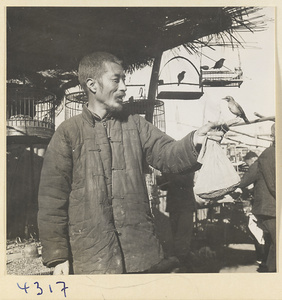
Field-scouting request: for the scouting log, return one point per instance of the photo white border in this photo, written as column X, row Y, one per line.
column 149, row 286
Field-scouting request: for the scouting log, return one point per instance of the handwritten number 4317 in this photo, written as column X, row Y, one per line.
column 40, row 289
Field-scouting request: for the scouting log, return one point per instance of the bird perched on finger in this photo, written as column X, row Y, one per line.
column 180, row 76
column 236, row 108
column 219, row 64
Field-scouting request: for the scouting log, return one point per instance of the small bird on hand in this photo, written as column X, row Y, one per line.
column 219, row 64
column 236, row 109
column 180, row 76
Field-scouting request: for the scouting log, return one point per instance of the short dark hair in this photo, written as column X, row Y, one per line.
column 92, row 66
column 250, row 155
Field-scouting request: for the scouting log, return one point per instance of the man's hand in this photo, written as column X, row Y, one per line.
column 213, row 131
column 238, row 190
column 226, row 199
column 62, row 269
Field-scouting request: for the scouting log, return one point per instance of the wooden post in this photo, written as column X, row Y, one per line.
column 153, row 86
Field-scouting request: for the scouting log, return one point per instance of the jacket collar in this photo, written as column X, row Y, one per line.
column 92, row 118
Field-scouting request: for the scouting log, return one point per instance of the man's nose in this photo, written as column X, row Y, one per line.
column 122, row 85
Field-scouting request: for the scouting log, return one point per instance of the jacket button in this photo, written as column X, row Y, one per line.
column 119, row 233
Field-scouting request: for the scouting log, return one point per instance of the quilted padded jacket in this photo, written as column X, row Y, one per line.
column 93, row 202
column 265, row 186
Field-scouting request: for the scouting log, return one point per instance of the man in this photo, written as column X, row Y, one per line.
column 94, row 212
column 181, row 205
column 264, row 207
column 249, row 179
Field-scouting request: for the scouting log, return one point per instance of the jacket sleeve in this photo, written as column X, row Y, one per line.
column 54, row 190
column 163, row 152
column 266, row 165
column 250, row 176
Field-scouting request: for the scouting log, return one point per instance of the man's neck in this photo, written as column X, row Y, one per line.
column 96, row 110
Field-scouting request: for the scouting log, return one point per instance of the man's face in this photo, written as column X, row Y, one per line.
column 250, row 161
column 111, row 88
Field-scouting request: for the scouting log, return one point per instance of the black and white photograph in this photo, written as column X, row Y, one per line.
column 140, row 141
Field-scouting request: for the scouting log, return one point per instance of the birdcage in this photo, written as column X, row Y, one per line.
column 74, row 104
column 221, row 75
column 218, row 78
column 142, row 106
column 184, row 89
column 30, row 113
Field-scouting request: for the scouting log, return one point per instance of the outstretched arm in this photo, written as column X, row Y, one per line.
column 170, row 156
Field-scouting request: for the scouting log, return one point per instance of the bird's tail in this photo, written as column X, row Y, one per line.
column 246, row 119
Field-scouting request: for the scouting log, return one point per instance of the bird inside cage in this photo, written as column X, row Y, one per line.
column 181, row 76
column 219, row 64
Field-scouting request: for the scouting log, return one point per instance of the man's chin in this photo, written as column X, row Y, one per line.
column 117, row 108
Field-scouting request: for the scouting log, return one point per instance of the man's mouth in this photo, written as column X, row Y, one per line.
column 120, row 98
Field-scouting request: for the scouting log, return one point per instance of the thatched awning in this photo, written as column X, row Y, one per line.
column 56, row 38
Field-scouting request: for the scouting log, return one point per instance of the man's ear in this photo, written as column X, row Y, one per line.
column 92, row 85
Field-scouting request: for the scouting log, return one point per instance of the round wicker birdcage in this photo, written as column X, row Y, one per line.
column 30, row 112
column 74, row 103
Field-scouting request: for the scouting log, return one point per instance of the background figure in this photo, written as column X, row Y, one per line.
column 264, row 207
column 248, row 179
column 181, row 205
